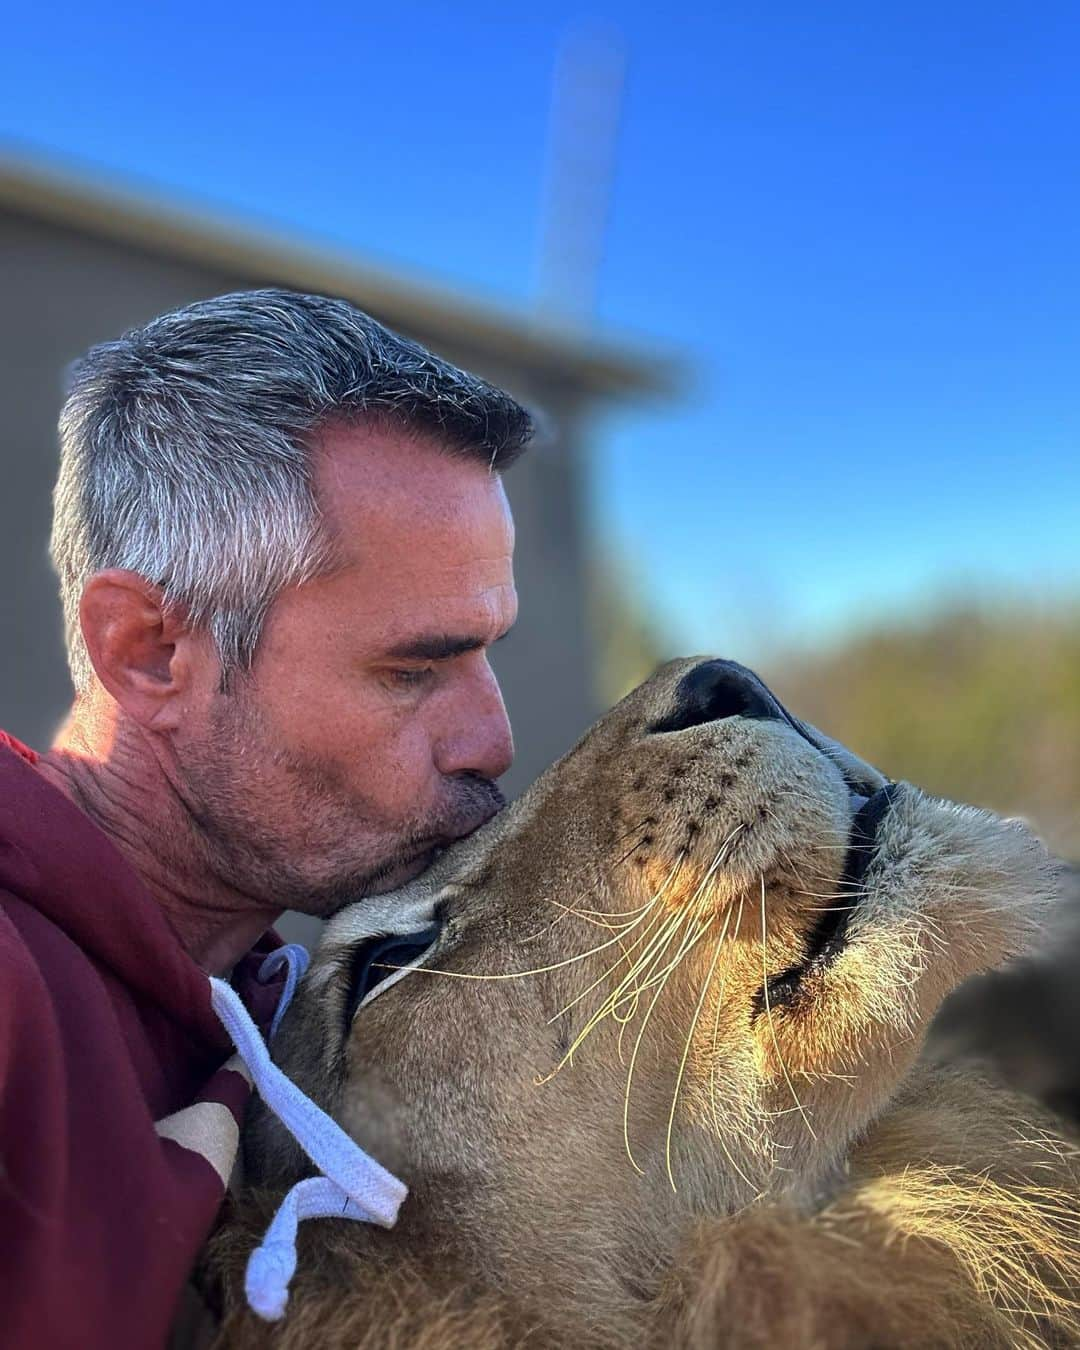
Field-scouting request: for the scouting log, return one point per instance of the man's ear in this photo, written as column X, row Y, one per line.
column 142, row 650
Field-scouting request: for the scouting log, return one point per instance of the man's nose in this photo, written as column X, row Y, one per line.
column 481, row 741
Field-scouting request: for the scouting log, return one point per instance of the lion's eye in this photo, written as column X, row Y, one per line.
column 376, row 959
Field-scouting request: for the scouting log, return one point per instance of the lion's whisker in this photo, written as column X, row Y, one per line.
column 517, row 974
column 713, row 1065
column 617, row 998
column 663, row 937
column 622, row 995
column 769, row 1019
column 738, row 918
column 598, row 916
column 628, row 832
column 721, row 855
column 633, row 1063
column 829, row 895
column 645, row 908
column 656, row 976
column 650, row 963
column 624, row 957
column 543, row 932
column 686, row 1052
column 630, row 852
column 829, row 909
column 845, row 846
column 660, row 918
column 648, row 959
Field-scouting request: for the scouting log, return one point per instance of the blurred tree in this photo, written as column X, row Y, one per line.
column 981, row 705
column 626, row 637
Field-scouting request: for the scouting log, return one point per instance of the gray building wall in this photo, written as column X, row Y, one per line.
column 63, row 289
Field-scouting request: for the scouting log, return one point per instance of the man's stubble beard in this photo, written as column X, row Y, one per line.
column 287, row 830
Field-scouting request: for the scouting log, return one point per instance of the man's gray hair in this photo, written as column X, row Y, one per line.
column 185, row 450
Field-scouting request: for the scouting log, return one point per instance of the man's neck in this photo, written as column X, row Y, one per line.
column 113, row 771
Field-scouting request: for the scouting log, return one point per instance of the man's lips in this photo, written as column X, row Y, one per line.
column 829, row 936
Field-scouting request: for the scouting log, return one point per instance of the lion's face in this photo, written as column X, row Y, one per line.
column 687, row 968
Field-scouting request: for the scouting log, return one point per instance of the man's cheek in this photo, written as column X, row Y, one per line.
column 337, row 723
column 395, row 768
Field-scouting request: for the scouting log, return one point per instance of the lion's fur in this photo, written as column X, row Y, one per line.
column 796, row 1175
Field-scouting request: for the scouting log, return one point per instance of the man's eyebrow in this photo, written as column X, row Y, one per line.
column 438, row 646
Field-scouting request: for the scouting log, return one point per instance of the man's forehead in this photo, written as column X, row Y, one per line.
column 424, row 542
column 423, row 625
column 374, row 481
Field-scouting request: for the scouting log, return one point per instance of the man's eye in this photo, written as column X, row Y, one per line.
column 410, row 677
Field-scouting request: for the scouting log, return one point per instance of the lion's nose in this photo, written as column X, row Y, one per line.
column 714, row 690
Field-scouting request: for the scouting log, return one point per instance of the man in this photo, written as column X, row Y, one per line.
column 284, row 551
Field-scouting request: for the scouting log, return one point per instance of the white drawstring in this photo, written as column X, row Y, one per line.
column 272, row 1264
column 296, row 960
column 353, row 1184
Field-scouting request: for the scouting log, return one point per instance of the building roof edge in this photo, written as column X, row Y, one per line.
column 594, row 368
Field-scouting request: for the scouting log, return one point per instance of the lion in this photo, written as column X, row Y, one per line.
column 649, row 1050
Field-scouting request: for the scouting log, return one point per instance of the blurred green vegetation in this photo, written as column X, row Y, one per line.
column 975, row 702
column 628, row 644
column 978, row 704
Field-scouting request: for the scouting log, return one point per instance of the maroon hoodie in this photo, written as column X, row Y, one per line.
column 118, row 1113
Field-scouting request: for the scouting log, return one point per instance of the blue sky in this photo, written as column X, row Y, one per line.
column 860, row 224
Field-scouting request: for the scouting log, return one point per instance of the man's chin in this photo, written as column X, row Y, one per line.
column 403, row 870
column 407, row 866
column 399, row 874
